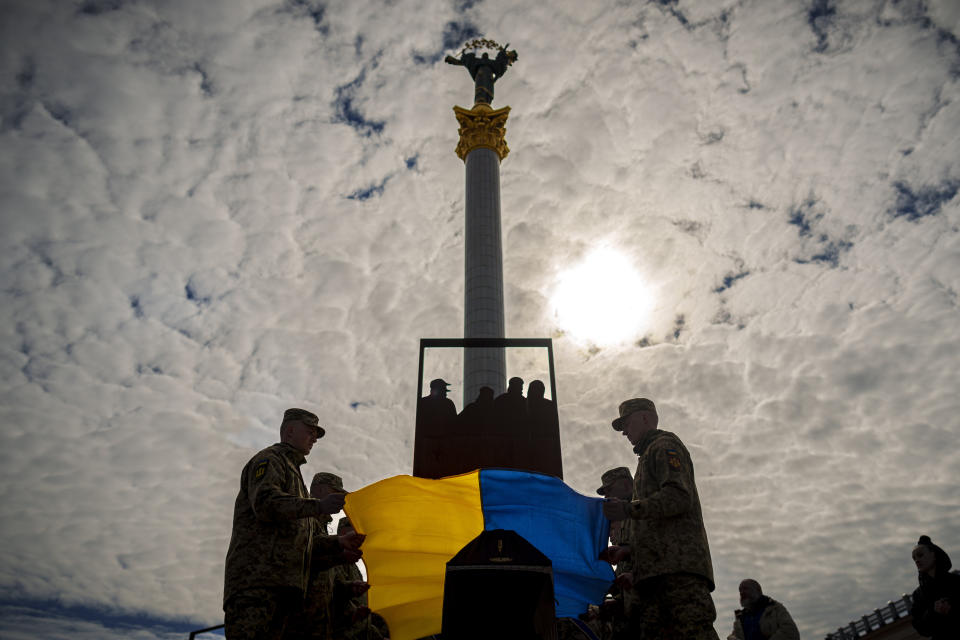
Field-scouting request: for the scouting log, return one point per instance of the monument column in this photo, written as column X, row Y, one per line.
column 482, row 146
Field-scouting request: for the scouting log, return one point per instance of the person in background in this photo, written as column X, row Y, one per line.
column 936, row 602
column 762, row 618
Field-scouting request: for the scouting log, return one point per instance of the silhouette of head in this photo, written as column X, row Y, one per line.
column 438, row 387
column 515, row 385
column 485, row 396
column 750, row 592
column 535, row 390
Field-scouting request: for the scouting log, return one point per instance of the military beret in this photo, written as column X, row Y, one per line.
column 628, row 407
column 329, row 479
column 611, row 476
column 306, row 417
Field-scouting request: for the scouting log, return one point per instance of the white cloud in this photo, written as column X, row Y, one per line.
column 182, row 259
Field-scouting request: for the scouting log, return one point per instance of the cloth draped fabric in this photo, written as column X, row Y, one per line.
column 414, row 526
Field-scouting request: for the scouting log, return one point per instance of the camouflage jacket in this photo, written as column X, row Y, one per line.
column 620, row 535
column 345, row 604
column 666, row 533
column 273, row 536
column 315, row 619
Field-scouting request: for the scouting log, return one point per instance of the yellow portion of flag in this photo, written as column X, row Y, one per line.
column 414, row 526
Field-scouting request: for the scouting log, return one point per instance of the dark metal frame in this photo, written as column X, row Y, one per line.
column 467, row 343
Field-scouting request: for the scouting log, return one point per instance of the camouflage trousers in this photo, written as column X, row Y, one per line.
column 676, row 606
column 570, row 629
column 260, row 614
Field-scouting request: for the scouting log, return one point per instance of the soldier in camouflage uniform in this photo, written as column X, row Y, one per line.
column 671, row 574
column 314, row 622
column 352, row 618
column 273, row 539
column 618, row 483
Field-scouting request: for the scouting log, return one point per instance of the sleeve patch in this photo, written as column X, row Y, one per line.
column 260, row 468
column 673, row 458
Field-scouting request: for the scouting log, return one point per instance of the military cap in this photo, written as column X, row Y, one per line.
column 439, row 383
column 611, row 476
column 628, row 407
column 304, row 416
column 329, row 479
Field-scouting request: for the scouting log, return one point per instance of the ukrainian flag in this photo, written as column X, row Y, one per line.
column 414, row 526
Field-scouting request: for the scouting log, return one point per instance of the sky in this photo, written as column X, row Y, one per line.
column 212, row 211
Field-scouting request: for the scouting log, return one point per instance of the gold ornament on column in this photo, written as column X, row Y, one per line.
column 482, row 127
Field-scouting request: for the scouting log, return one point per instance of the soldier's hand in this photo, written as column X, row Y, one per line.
column 350, row 556
column 611, row 608
column 624, row 580
column 352, row 540
column 616, row 509
column 332, row 503
column 615, row 554
column 358, row 587
column 592, row 613
column 360, row 613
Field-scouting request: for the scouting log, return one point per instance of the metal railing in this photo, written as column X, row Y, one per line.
column 880, row 618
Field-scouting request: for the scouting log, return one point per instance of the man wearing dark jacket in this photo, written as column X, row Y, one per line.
column 762, row 618
column 672, row 574
column 274, row 535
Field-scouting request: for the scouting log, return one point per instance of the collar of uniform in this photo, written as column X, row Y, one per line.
column 645, row 441
column 292, row 454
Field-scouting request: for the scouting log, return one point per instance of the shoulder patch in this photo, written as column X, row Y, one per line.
column 260, row 468
column 673, row 458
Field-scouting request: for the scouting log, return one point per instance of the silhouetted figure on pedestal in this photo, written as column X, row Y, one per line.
column 543, row 430
column 510, row 426
column 478, row 415
column 473, row 425
column 436, row 415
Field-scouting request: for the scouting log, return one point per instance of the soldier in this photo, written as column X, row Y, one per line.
column 314, row 621
column 618, row 483
column 352, row 619
column 273, row 538
column 671, row 572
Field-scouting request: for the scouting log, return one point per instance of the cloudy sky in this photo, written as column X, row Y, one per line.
column 215, row 210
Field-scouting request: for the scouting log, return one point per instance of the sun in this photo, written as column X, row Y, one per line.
column 603, row 300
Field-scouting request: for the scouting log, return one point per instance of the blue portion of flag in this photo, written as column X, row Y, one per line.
column 567, row 527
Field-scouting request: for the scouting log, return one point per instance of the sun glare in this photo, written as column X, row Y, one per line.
column 603, row 300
